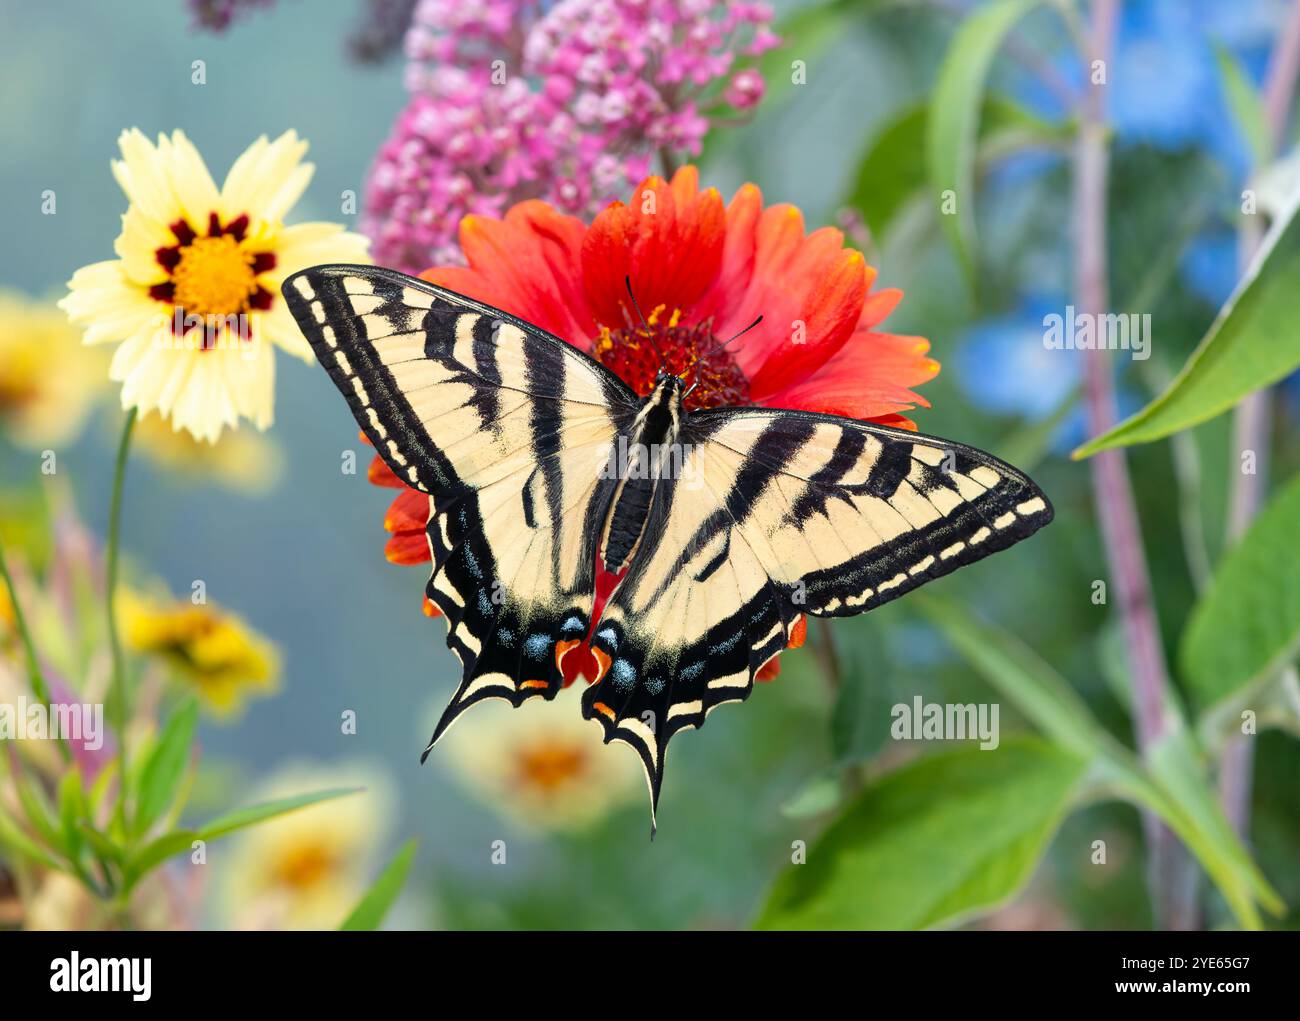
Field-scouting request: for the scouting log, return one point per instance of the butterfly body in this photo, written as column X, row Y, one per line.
column 723, row 527
column 638, row 460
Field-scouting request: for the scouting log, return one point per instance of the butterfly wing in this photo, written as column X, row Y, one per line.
column 507, row 428
column 773, row 515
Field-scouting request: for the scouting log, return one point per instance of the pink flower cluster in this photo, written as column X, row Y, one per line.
column 567, row 101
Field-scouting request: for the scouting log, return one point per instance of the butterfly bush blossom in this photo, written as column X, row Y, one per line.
column 567, row 102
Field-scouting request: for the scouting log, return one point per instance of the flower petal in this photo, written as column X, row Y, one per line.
column 869, row 378
column 379, row 474
column 110, row 306
column 407, row 548
column 669, row 241
column 526, row 264
column 409, row 512
column 267, row 179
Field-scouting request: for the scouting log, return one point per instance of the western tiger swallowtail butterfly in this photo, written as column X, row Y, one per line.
column 725, row 525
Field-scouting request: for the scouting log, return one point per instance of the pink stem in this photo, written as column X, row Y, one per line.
column 1169, row 872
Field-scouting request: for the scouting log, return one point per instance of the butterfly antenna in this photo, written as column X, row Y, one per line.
column 719, row 347
column 648, row 332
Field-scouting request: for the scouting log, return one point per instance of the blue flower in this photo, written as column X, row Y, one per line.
column 1003, row 365
column 1210, row 266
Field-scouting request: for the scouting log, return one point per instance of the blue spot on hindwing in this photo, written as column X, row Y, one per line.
column 537, row 646
column 623, row 674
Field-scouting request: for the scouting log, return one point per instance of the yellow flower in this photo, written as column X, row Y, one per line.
column 542, row 765
column 48, row 380
column 194, row 295
column 246, row 461
column 215, row 651
column 307, row 869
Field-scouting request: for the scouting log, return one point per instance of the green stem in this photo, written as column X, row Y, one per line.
column 119, row 693
column 39, row 686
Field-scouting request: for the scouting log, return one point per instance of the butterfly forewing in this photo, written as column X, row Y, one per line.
column 509, row 431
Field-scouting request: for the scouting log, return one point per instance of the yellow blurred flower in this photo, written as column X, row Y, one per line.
column 247, row 461
column 213, row 650
column 194, row 295
column 48, row 381
column 307, row 869
column 542, row 765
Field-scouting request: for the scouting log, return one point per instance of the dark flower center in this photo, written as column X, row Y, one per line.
column 692, row 352
column 212, row 280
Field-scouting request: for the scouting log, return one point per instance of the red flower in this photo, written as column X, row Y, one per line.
column 701, row 271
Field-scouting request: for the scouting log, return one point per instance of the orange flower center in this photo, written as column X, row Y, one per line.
column 304, row 867
column 633, row 352
column 214, row 277
column 548, row 767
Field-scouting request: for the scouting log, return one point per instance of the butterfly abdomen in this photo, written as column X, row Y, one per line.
column 627, row 522
column 639, row 460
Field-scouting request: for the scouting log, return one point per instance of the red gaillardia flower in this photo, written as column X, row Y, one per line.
column 702, row 271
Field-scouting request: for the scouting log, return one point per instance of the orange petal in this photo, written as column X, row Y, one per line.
column 409, row 512
column 380, row 474
column 407, row 548
column 527, row 264
column 668, row 239
column 870, row 378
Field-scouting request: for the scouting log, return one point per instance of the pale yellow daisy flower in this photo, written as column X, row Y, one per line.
column 193, row 299
column 49, row 381
column 307, row 869
column 542, row 766
column 210, row 649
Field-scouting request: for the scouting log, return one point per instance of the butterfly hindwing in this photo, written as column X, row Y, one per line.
column 507, row 429
column 773, row 515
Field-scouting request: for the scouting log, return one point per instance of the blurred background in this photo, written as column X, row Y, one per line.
column 293, row 546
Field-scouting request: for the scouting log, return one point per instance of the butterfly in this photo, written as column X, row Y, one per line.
column 724, row 527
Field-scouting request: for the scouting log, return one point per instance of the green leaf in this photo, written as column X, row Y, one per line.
column 161, row 777
column 1246, row 627
column 156, row 852
column 953, row 125
column 892, row 171
column 39, row 812
column 371, row 909
column 1180, row 769
column 20, row 843
column 933, row 842
column 1253, row 343
column 1175, row 788
column 101, row 845
column 1247, row 107
column 254, row 814
column 1014, row 669
column 72, row 809
column 817, row 796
